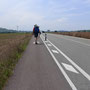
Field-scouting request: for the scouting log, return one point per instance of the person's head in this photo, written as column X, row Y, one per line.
column 36, row 25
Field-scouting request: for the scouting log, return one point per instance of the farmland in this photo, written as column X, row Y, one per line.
column 11, row 47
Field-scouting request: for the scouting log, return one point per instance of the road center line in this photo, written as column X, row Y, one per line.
column 60, row 67
column 72, row 62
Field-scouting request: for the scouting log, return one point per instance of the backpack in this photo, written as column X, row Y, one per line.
column 36, row 30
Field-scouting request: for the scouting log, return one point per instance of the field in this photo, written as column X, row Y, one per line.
column 11, row 48
column 76, row 34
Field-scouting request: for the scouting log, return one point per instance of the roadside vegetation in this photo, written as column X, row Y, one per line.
column 75, row 34
column 11, row 47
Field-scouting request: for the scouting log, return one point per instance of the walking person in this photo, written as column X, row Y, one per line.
column 36, row 31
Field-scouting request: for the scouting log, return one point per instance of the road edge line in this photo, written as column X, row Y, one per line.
column 61, row 69
column 73, row 63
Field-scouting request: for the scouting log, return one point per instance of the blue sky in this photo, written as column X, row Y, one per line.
column 48, row 14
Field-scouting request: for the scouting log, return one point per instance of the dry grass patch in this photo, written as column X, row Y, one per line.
column 76, row 34
column 11, row 47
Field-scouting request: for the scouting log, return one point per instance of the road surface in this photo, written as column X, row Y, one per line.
column 60, row 63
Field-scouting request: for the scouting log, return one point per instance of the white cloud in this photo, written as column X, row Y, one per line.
column 19, row 14
column 61, row 20
column 46, row 13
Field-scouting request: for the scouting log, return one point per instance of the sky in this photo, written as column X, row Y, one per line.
column 48, row 14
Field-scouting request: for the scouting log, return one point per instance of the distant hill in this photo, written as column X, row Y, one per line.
column 4, row 30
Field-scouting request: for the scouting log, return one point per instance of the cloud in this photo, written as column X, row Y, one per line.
column 20, row 18
column 19, row 14
column 46, row 13
column 61, row 20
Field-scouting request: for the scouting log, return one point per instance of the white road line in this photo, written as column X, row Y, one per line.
column 73, row 63
column 70, row 68
column 60, row 67
column 55, row 51
column 49, row 44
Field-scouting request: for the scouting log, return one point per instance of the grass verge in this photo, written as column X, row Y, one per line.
column 7, row 66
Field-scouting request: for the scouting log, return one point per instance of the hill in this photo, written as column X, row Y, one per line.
column 4, row 30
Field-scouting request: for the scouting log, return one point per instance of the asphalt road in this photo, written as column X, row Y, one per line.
column 73, row 55
column 60, row 63
column 37, row 70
